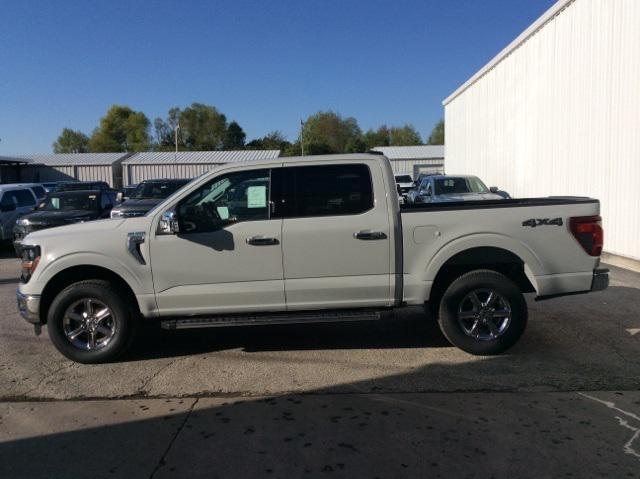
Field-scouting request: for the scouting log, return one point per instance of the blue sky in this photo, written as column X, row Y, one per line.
column 265, row 64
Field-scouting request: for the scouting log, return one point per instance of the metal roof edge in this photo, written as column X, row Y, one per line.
column 545, row 18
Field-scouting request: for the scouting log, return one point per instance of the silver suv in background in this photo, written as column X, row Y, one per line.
column 449, row 188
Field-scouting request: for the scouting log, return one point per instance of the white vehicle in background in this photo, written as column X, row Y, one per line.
column 15, row 200
column 404, row 181
column 451, row 188
column 303, row 240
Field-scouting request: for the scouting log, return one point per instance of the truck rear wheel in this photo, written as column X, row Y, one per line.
column 90, row 322
column 483, row 312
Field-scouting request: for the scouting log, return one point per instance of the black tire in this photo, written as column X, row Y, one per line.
column 122, row 320
column 457, row 302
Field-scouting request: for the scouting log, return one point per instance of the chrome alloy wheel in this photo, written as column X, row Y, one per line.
column 88, row 324
column 484, row 314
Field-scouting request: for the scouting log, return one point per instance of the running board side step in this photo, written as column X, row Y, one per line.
column 256, row 320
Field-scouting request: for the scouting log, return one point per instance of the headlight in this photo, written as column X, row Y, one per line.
column 30, row 260
column 23, row 222
column 116, row 213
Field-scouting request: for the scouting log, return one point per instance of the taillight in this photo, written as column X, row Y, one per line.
column 589, row 233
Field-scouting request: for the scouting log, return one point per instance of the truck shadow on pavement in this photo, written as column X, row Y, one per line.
column 410, row 330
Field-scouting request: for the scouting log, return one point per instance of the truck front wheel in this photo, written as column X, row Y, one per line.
column 483, row 312
column 90, row 322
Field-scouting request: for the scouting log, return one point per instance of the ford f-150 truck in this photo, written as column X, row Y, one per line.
column 301, row 240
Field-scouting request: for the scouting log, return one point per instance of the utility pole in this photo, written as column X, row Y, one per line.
column 302, row 137
column 176, row 139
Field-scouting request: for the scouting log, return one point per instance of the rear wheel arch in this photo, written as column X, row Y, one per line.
column 74, row 274
column 488, row 258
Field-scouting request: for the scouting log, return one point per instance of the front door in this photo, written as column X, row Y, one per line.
column 227, row 256
column 336, row 236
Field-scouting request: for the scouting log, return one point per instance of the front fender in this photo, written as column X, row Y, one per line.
column 138, row 280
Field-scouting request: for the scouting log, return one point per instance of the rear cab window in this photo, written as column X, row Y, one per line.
column 322, row 190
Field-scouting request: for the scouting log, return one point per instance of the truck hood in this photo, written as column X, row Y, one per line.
column 59, row 218
column 76, row 232
column 466, row 197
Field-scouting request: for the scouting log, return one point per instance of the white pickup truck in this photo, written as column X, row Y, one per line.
column 301, row 240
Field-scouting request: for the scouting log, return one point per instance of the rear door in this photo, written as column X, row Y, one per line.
column 335, row 235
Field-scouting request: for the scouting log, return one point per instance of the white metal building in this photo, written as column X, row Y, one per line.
column 74, row 166
column 184, row 164
column 557, row 112
column 414, row 159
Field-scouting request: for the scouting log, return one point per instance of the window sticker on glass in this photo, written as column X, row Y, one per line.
column 223, row 212
column 257, row 197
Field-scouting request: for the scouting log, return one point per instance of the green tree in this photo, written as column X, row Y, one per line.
column 437, row 134
column 165, row 131
column 379, row 137
column 404, row 136
column 121, row 129
column 274, row 140
column 328, row 132
column 71, row 141
column 234, row 137
column 202, row 127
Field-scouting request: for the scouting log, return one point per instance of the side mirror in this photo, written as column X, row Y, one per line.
column 7, row 207
column 168, row 224
column 493, row 189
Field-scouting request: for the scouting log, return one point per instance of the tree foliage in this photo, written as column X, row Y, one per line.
column 71, row 141
column 202, row 128
column 234, row 137
column 328, row 132
column 437, row 134
column 274, row 140
column 121, row 129
column 404, row 136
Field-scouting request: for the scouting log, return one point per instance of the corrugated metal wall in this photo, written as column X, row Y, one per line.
column 417, row 166
column 135, row 173
column 560, row 115
column 41, row 173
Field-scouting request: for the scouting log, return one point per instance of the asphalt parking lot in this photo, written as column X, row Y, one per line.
column 390, row 399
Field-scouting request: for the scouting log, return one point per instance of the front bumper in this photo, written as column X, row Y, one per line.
column 29, row 307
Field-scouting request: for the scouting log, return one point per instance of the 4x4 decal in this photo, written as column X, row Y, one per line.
column 533, row 222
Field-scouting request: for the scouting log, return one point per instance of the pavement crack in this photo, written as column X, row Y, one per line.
column 628, row 446
column 48, row 376
column 143, row 387
column 163, row 458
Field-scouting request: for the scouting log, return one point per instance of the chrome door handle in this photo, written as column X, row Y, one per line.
column 369, row 235
column 262, row 241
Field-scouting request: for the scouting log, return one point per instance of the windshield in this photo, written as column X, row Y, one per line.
column 403, row 179
column 452, row 185
column 156, row 190
column 72, row 201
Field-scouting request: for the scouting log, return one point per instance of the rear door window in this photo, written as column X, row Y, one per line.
column 324, row 190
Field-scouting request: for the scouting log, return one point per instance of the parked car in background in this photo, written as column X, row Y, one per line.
column 404, row 182
column 38, row 190
column 15, row 201
column 449, row 188
column 63, row 208
column 83, row 185
column 146, row 195
column 128, row 190
column 49, row 186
